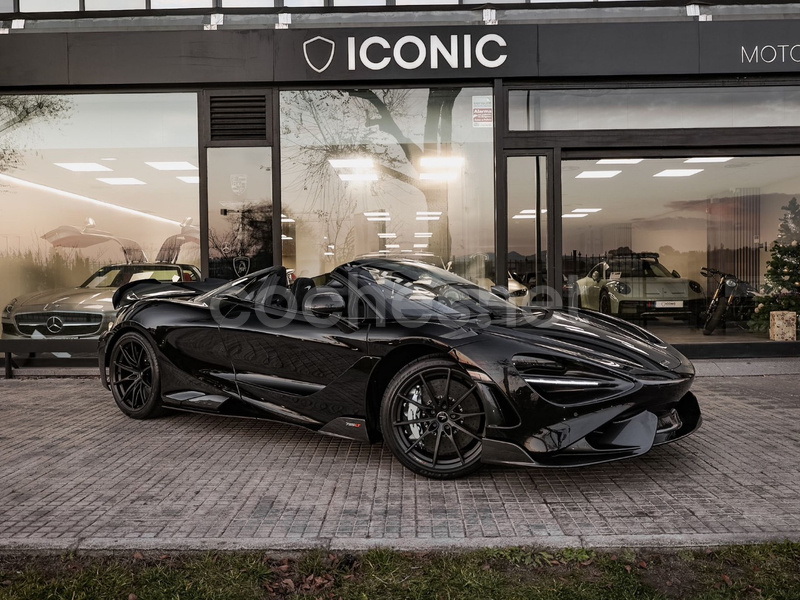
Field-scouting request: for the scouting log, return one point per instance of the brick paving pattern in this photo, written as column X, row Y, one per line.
column 76, row 473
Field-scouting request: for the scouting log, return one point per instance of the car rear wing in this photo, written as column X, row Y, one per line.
column 153, row 288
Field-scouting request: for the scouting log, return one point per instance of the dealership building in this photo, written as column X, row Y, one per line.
column 560, row 146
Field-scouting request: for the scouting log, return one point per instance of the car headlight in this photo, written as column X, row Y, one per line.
column 567, row 382
column 518, row 293
column 695, row 287
column 623, row 288
column 9, row 308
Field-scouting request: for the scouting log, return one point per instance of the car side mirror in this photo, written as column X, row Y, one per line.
column 675, row 274
column 501, row 291
column 324, row 304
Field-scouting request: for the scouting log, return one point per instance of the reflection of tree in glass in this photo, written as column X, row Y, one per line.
column 26, row 271
column 248, row 233
column 34, row 270
column 16, row 111
column 367, row 123
column 339, row 243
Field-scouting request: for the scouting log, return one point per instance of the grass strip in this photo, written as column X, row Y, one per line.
column 759, row 571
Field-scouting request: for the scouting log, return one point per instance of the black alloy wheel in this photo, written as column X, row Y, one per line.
column 433, row 420
column 134, row 376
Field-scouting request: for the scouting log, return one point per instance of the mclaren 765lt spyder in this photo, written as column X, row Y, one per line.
column 447, row 374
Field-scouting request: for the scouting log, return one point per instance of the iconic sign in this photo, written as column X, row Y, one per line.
column 529, row 51
column 478, row 51
column 457, row 52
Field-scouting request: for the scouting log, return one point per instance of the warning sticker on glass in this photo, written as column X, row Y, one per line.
column 482, row 111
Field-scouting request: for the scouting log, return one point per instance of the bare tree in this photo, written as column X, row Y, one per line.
column 247, row 232
column 364, row 122
column 21, row 110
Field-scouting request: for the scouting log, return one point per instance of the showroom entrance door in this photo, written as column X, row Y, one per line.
column 528, row 193
column 240, row 211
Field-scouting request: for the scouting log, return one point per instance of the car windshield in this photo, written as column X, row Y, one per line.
column 637, row 268
column 417, row 290
column 114, row 276
column 423, row 257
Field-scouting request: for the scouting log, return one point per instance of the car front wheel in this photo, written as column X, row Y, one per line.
column 605, row 303
column 433, row 420
column 134, row 376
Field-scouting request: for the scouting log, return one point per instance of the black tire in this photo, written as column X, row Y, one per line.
column 574, row 300
column 433, row 420
column 134, row 376
column 715, row 314
column 605, row 303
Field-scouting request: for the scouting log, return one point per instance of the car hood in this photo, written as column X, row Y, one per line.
column 590, row 337
column 89, row 299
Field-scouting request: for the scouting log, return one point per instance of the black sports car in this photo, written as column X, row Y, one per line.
column 447, row 374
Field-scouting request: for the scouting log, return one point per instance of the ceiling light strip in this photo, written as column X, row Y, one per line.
column 678, row 172
column 65, row 194
column 597, row 174
column 619, row 161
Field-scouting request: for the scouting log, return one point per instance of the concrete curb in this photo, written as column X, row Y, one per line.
column 115, row 545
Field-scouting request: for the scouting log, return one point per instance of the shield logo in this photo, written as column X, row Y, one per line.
column 319, row 52
column 241, row 266
column 239, row 184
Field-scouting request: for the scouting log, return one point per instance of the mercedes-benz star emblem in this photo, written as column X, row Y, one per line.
column 319, row 52
column 54, row 324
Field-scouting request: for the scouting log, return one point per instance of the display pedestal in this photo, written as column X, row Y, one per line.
column 783, row 325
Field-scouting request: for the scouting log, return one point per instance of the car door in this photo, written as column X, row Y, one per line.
column 197, row 372
column 594, row 283
column 289, row 364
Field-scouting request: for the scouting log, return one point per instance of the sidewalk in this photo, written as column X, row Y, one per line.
column 77, row 475
column 747, row 367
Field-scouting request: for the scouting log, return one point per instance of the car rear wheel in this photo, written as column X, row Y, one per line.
column 433, row 420
column 134, row 376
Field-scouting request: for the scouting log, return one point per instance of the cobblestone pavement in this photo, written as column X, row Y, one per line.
column 77, row 474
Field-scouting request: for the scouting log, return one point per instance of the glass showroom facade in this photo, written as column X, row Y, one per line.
column 92, row 180
column 560, row 188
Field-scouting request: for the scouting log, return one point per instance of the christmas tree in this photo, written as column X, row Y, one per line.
column 781, row 289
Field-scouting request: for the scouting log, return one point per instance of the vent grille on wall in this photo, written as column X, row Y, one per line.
column 238, row 117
